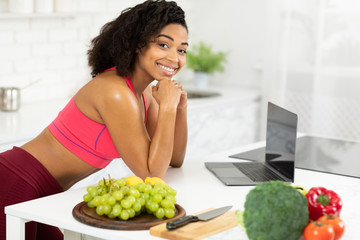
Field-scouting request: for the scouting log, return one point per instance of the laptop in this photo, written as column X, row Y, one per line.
column 277, row 161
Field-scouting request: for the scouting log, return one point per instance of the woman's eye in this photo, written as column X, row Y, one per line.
column 182, row 51
column 164, row 45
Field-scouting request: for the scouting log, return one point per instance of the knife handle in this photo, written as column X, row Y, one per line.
column 181, row 222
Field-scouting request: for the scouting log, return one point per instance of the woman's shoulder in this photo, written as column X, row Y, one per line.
column 108, row 86
column 103, row 93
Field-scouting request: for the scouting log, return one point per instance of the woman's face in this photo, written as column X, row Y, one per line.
column 165, row 53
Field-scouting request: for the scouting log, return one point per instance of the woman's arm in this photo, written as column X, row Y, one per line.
column 120, row 110
column 180, row 131
column 180, row 138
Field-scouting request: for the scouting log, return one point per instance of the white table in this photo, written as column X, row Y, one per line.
column 197, row 190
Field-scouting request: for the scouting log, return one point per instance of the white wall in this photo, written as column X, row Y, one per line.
column 54, row 49
column 233, row 26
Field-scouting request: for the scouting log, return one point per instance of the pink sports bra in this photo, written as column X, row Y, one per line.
column 87, row 139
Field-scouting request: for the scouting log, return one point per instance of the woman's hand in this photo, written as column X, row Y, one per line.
column 183, row 97
column 169, row 93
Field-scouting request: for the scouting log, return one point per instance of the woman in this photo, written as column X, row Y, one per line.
column 117, row 114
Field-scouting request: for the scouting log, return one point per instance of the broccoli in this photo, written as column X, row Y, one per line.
column 274, row 210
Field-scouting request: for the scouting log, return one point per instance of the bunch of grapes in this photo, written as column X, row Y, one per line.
column 116, row 199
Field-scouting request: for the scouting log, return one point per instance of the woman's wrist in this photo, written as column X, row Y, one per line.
column 182, row 109
column 167, row 108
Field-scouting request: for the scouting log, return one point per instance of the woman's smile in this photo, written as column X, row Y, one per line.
column 167, row 69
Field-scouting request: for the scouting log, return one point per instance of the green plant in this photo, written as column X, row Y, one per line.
column 275, row 211
column 202, row 59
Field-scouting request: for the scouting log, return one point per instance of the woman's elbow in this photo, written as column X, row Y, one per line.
column 177, row 164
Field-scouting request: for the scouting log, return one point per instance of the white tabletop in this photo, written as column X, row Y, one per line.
column 197, row 189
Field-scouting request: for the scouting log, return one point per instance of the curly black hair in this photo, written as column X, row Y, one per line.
column 119, row 39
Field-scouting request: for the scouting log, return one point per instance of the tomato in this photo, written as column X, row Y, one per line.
column 319, row 231
column 336, row 223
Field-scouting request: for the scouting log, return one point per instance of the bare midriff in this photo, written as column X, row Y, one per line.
column 63, row 165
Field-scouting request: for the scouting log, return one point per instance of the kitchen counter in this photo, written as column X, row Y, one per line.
column 197, row 190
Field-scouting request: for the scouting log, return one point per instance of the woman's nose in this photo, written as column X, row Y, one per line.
column 173, row 56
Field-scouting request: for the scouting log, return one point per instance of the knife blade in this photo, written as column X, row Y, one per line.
column 194, row 218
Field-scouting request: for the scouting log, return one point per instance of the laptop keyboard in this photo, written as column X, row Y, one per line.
column 257, row 172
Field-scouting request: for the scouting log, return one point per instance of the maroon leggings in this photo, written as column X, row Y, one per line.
column 23, row 178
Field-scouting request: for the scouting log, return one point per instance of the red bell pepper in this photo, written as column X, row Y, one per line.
column 323, row 201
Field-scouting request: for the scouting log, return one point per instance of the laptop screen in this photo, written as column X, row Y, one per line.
column 281, row 140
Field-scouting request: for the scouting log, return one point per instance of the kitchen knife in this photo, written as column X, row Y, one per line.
column 201, row 217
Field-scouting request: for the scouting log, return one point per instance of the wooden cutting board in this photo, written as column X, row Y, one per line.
column 197, row 230
column 84, row 214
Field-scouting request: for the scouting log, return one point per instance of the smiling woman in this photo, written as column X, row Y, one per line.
column 165, row 52
column 116, row 114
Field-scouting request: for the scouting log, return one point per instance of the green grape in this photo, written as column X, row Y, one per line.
column 157, row 198
column 132, row 199
column 121, row 182
column 141, row 201
column 87, row 197
column 153, row 206
column 107, row 182
column 100, row 191
column 170, row 190
column 116, row 210
column 159, row 185
column 118, row 195
column 137, row 206
column 100, row 210
column 160, row 213
column 91, row 204
column 125, row 189
column 134, row 192
column 101, row 183
column 115, row 186
column 131, row 212
column 125, row 203
column 163, row 192
column 96, row 201
column 166, row 203
column 92, row 190
column 111, row 215
column 124, row 215
column 144, row 196
column 169, row 213
column 141, row 187
column 106, row 209
column 154, row 191
column 147, row 204
column 147, row 188
column 111, row 200
column 104, row 199
column 171, row 198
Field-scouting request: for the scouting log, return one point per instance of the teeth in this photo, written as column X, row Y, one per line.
column 167, row 69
